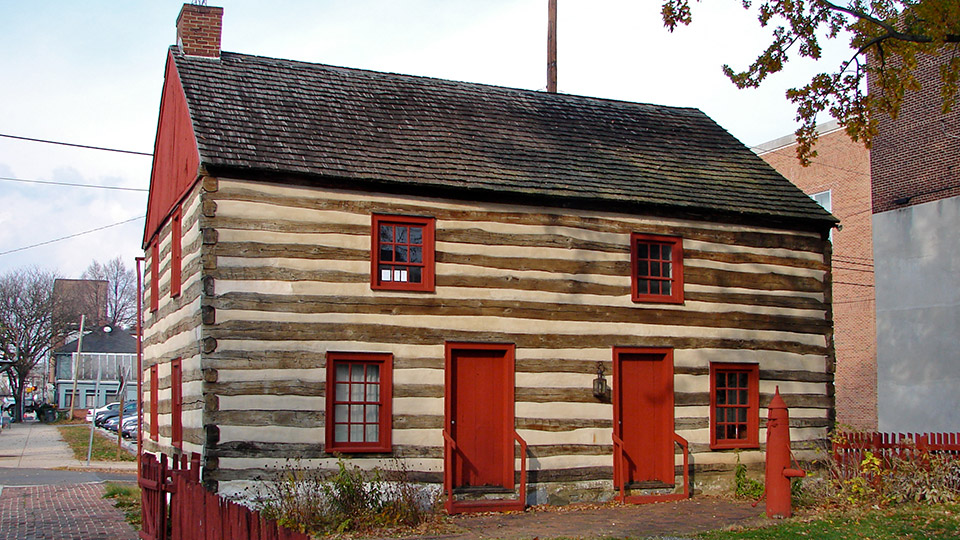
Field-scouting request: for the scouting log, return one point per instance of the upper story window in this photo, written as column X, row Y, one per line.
column 359, row 404
column 155, row 275
column 734, row 406
column 657, row 268
column 402, row 254
column 825, row 199
column 176, row 251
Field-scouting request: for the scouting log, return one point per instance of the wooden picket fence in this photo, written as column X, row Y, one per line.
column 176, row 506
column 849, row 448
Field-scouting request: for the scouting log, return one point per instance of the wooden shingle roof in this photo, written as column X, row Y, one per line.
column 371, row 130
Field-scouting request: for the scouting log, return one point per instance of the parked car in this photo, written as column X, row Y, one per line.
column 111, row 423
column 91, row 413
column 129, row 427
column 129, row 409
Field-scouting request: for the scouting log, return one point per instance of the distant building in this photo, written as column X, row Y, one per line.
column 107, row 351
column 915, row 165
column 839, row 179
column 73, row 298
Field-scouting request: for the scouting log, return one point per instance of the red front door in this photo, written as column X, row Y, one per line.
column 643, row 414
column 479, row 414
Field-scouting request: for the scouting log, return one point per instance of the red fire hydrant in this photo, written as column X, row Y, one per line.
column 779, row 472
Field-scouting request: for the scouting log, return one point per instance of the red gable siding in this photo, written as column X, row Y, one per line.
column 175, row 156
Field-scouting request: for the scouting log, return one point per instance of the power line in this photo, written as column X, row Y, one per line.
column 77, row 145
column 51, row 183
column 70, row 236
column 851, row 260
column 812, row 163
column 849, row 269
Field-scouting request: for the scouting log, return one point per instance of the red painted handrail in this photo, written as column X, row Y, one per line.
column 686, row 463
column 449, row 447
column 523, row 468
column 618, row 465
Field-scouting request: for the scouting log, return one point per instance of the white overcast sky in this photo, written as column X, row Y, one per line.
column 91, row 73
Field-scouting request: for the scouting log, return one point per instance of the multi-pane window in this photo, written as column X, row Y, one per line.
column 358, row 402
column 657, row 268
column 734, row 411
column 402, row 255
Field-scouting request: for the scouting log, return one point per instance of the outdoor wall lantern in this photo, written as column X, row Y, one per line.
column 600, row 388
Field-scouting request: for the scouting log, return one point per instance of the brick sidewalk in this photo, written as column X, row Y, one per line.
column 74, row 511
column 677, row 519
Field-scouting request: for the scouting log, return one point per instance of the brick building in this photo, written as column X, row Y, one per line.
column 915, row 166
column 839, row 179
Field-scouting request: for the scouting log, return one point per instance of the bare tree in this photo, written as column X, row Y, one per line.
column 28, row 330
column 121, row 290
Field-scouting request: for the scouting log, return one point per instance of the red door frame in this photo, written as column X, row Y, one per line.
column 508, row 350
column 667, row 367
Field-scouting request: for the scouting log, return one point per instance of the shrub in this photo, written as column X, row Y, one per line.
column 900, row 477
column 745, row 487
column 349, row 499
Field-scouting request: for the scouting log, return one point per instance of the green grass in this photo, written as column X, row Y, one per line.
column 104, row 448
column 127, row 498
column 917, row 521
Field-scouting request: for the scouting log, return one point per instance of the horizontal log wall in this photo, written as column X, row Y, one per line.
column 170, row 332
column 287, row 278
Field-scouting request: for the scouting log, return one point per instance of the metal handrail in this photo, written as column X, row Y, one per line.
column 618, row 464
column 523, row 467
column 686, row 463
column 449, row 447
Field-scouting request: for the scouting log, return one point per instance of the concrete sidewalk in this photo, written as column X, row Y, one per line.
column 33, row 445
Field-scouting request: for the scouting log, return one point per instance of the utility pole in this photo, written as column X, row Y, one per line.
column 76, row 364
column 552, row 46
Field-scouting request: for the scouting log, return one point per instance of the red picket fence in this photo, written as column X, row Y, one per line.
column 849, row 448
column 195, row 513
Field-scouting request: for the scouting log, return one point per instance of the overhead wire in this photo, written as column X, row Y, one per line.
column 71, row 236
column 69, row 184
column 75, row 145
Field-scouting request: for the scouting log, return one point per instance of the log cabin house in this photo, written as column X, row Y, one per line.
column 526, row 297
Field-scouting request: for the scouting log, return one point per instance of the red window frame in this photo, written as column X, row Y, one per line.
column 176, row 251
column 397, row 246
column 359, row 388
column 641, row 287
column 734, row 405
column 154, row 410
column 154, row 275
column 176, row 403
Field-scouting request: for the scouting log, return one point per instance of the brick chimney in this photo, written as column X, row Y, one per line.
column 198, row 30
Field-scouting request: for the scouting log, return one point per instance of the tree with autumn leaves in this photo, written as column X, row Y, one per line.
column 886, row 38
